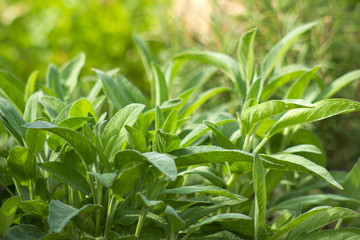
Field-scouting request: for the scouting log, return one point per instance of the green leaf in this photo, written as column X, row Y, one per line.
column 323, row 109
column 165, row 142
column 310, row 200
column 310, row 148
column 116, row 126
column 24, row 231
column 259, row 181
column 12, row 88
column 60, row 214
column 135, row 139
column 321, row 219
column 207, row 173
column 7, row 213
column 212, row 154
column 82, row 108
column 113, row 90
column 30, row 85
column 159, row 118
column 31, row 108
column 37, row 207
column 175, row 221
column 159, row 91
column 67, row 175
column 35, row 139
column 338, row 234
column 81, row 144
column 281, row 77
column 198, row 78
column 199, row 131
column 170, row 124
column 279, row 50
column 12, row 119
column 252, row 115
column 53, row 105
column 293, row 162
column 145, row 53
column 107, row 179
column 69, row 73
column 222, row 61
column 219, row 217
column 53, row 81
column 162, row 162
column 214, row 190
column 21, row 164
column 298, row 88
column 297, row 221
column 201, row 99
column 352, row 182
column 339, row 83
column 245, row 55
column 219, row 235
column 220, row 136
column 127, row 180
column 144, row 201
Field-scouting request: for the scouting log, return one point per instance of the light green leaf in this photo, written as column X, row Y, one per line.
column 81, row 144
column 30, row 85
column 12, row 119
column 321, row 219
column 162, row 162
column 310, row 200
column 323, row 109
column 31, row 108
column 214, row 190
column 60, row 214
column 144, row 201
column 201, row 99
column 67, row 175
column 116, row 126
column 159, row 118
column 199, row 131
column 7, row 213
column 175, row 221
column 259, row 182
column 352, row 182
column 165, row 142
column 53, row 105
column 170, row 124
column 12, row 88
column 82, row 108
column 252, row 115
column 298, row 88
column 222, row 61
column 297, row 221
column 37, row 207
column 21, row 164
column 135, row 139
column 339, row 83
column 279, row 50
column 145, row 53
column 212, row 154
column 53, row 81
column 336, row 234
column 245, row 55
column 127, row 180
column 198, row 78
column 207, row 173
column 107, row 179
column 69, row 73
column 309, row 148
column 220, row 136
column 293, row 162
column 159, row 91
column 35, row 139
column 24, row 231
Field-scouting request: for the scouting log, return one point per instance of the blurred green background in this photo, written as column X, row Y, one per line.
column 35, row 33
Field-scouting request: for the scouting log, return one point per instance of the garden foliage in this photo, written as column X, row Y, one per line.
column 117, row 164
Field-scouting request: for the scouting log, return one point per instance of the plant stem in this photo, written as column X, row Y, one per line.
column 140, row 221
column 98, row 213
column 259, row 146
column 18, row 188
column 338, row 224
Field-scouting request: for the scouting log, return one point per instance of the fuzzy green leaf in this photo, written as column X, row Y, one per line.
column 7, row 213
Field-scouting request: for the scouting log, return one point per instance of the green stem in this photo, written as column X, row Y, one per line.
column 338, row 224
column 140, row 221
column 111, row 212
column 31, row 190
column 246, row 142
column 260, row 145
column 18, row 188
column 98, row 213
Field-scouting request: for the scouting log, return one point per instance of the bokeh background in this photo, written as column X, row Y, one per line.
column 34, row 33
